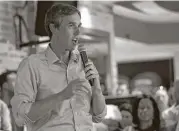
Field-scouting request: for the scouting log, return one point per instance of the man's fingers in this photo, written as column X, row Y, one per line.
column 88, row 63
column 86, row 69
column 91, row 72
column 91, row 77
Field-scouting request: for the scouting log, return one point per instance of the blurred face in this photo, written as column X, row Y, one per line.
column 145, row 110
column 161, row 99
column 126, row 118
column 137, row 92
column 112, row 124
column 122, row 90
column 63, row 37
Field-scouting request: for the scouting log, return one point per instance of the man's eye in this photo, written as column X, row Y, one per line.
column 71, row 25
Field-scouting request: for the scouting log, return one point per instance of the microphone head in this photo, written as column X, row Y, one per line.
column 81, row 48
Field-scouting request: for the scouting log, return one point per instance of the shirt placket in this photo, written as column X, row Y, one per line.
column 71, row 75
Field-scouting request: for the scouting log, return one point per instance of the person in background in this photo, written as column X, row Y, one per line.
column 127, row 116
column 162, row 98
column 137, row 92
column 146, row 114
column 172, row 113
column 52, row 91
column 112, row 118
column 5, row 119
column 122, row 89
column 145, row 82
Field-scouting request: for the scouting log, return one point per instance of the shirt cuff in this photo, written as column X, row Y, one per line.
column 24, row 110
column 98, row 118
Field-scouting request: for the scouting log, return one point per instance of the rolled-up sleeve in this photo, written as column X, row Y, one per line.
column 99, row 117
column 25, row 91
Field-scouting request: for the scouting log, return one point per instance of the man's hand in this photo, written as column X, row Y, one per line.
column 74, row 86
column 92, row 73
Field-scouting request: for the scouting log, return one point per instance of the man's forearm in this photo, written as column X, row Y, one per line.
column 98, row 101
column 42, row 107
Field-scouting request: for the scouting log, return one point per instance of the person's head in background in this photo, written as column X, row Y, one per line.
column 113, row 117
column 62, row 23
column 136, row 91
column 146, row 113
column 145, row 82
column 162, row 98
column 126, row 112
column 123, row 87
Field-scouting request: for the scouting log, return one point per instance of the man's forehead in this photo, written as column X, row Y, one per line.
column 75, row 18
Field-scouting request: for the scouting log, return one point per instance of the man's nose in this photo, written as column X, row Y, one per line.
column 77, row 32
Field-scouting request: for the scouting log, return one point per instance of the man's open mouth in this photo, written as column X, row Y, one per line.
column 75, row 41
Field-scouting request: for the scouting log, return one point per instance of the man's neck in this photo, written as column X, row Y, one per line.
column 66, row 57
column 62, row 55
column 146, row 124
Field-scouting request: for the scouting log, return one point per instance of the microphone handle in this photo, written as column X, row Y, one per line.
column 84, row 58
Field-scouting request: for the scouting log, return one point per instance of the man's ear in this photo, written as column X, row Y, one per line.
column 52, row 27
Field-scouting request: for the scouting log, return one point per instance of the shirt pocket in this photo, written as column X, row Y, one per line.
column 51, row 83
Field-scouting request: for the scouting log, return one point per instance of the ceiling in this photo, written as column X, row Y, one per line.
column 150, row 22
column 149, row 11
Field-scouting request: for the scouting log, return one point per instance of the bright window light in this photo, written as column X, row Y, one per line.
column 85, row 17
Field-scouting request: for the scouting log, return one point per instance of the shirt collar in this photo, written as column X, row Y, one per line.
column 52, row 58
column 75, row 55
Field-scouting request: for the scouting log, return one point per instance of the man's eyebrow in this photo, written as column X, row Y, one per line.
column 75, row 23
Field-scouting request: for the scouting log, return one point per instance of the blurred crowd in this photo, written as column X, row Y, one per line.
column 156, row 109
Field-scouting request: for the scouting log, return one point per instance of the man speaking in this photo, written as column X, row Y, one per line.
column 52, row 91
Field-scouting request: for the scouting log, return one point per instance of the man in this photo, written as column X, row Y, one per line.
column 52, row 91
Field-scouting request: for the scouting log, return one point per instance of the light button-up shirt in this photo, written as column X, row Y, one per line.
column 42, row 75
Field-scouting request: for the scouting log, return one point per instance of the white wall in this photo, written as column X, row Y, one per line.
column 127, row 50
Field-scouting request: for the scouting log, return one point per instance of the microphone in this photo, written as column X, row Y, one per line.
column 84, row 58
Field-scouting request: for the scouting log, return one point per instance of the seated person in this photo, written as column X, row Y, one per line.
column 146, row 114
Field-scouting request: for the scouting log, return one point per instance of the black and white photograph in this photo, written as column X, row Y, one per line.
column 89, row 65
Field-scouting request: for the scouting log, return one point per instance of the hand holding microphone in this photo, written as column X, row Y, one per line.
column 89, row 68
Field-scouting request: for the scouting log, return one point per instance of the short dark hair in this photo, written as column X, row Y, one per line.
column 55, row 14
